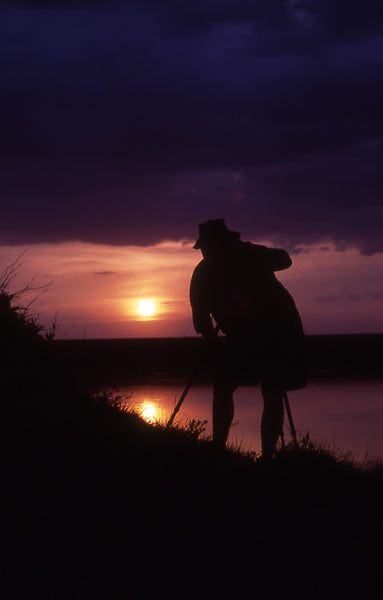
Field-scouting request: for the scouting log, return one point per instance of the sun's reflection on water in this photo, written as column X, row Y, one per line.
column 152, row 410
column 347, row 414
column 149, row 411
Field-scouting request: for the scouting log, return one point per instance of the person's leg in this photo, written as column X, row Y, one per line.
column 223, row 411
column 272, row 418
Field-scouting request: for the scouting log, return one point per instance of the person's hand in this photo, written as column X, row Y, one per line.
column 212, row 342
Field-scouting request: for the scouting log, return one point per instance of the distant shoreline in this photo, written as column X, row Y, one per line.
column 344, row 355
column 197, row 337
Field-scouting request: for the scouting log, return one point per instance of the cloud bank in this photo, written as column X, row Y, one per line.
column 131, row 122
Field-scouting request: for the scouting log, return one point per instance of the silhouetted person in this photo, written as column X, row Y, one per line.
column 235, row 285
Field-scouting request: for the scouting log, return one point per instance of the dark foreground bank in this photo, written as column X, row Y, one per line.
column 98, row 504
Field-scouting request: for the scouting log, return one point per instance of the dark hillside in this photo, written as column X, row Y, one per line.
column 102, row 505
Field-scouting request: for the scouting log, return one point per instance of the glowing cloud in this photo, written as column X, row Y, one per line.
column 96, row 290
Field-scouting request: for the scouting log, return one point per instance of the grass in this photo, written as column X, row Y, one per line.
column 98, row 503
column 102, row 504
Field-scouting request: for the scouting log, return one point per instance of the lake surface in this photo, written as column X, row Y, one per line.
column 344, row 414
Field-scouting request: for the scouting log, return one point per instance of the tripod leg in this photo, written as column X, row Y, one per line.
column 290, row 418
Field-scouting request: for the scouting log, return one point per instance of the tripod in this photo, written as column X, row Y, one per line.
column 291, row 422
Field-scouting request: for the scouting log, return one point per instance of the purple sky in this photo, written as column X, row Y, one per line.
column 131, row 122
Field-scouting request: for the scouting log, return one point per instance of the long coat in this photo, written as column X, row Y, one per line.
column 256, row 312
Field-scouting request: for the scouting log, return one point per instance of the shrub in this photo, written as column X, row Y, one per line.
column 23, row 339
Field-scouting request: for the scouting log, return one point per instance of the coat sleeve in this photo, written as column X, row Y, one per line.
column 274, row 259
column 199, row 300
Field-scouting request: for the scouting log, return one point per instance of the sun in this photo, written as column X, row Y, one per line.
column 146, row 308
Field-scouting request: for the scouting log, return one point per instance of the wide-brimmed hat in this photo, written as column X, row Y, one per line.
column 214, row 230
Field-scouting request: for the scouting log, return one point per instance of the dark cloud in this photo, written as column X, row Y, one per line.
column 128, row 122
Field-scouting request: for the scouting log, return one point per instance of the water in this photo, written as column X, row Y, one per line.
column 347, row 415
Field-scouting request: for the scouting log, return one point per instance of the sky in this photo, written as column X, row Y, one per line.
column 125, row 124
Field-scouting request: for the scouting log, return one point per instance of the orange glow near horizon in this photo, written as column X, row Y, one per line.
column 96, row 289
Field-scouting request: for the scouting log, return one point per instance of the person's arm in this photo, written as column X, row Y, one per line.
column 200, row 305
column 280, row 259
column 274, row 259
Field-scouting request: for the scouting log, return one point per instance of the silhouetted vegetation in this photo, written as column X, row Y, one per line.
column 21, row 333
column 99, row 504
